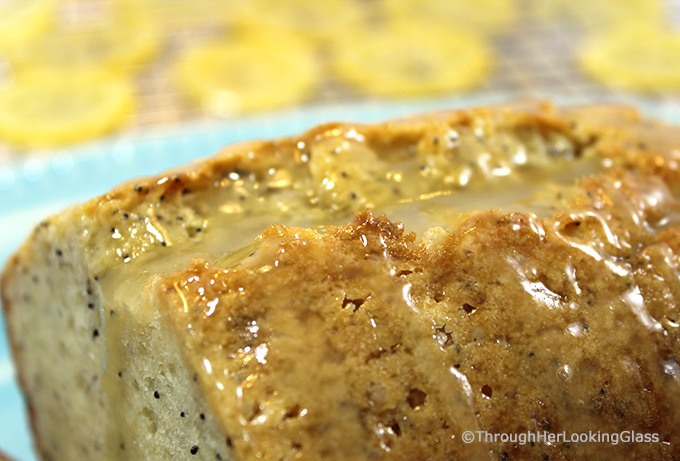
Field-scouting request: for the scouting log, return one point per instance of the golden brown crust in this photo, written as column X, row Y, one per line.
column 615, row 131
column 617, row 127
column 564, row 324
column 261, row 155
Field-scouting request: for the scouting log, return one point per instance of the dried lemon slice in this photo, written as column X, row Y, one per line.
column 174, row 14
column 249, row 72
column 321, row 20
column 36, row 114
column 113, row 43
column 637, row 56
column 410, row 59
column 598, row 13
column 481, row 15
column 22, row 20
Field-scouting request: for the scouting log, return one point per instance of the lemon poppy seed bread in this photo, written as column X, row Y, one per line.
column 366, row 292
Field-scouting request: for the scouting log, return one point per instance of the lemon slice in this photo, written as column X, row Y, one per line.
column 320, row 20
column 599, row 13
column 479, row 15
column 115, row 43
column 190, row 14
column 638, row 56
column 250, row 72
column 42, row 115
column 23, row 20
column 412, row 59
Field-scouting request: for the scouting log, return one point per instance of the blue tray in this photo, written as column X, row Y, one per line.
column 33, row 189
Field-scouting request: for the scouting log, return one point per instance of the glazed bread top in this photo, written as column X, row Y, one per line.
column 334, row 170
column 319, row 339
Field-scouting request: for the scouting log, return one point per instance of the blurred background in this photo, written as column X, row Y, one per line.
column 76, row 70
column 94, row 92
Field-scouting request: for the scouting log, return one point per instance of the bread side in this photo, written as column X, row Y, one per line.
column 93, row 311
column 52, row 307
column 95, row 371
column 157, row 409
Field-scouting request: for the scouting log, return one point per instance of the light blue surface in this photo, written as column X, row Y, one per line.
column 34, row 189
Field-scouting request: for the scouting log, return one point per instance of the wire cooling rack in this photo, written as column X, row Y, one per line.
column 535, row 58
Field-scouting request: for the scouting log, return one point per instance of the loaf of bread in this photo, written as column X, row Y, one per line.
column 368, row 292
